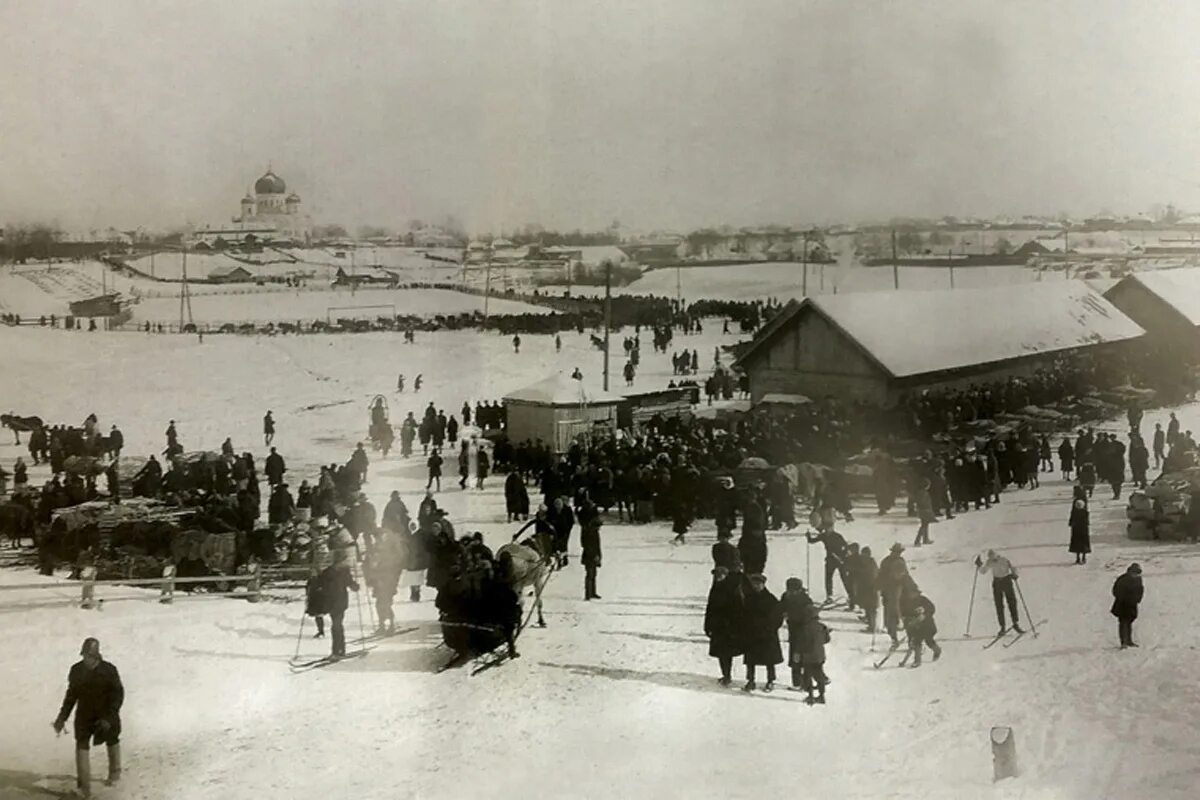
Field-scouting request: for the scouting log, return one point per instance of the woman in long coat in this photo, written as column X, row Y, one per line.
column 760, row 626
column 722, row 621
column 516, row 497
column 1081, row 537
column 1066, row 457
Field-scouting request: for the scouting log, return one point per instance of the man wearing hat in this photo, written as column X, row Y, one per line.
column 95, row 693
column 1127, row 592
column 892, row 572
column 723, row 621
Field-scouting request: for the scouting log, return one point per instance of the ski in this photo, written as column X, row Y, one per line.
column 325, row 661
column 380, row 635
column 493, row 661
column 891, row 651
column 995, row 640
column 1014, row 640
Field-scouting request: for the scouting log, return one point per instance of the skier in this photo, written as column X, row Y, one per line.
column 557, row 343
column 1127, row 592
column 335, row 580
column 761, row 619
column 268, row 429
column 722, row 621
column 921, row 628
column 400, row 384
column 1081, row 540
column 517, row 344
column 417, row 383
column 95, row 693
column 892, row 572
column 1003, row 587
column 835, row 562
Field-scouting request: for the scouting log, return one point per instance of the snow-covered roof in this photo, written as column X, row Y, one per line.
column 561, row 390
column 1178, row 288
column 920, row 332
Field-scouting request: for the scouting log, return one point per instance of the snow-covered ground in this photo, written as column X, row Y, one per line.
column 617, row 697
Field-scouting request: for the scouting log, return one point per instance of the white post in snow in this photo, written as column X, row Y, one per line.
column 88, row 575
column 167, row 589
column 1004, row 753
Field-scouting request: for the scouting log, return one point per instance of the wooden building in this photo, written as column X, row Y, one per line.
column 877, row 346
column 557, row 410
column 1166, row 303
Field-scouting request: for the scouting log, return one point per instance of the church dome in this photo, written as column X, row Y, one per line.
column 270, row 183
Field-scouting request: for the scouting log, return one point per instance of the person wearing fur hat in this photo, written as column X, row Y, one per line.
column 722, row 621
column 1127, row 592
column 1081, row 538
column 95, row 694
column 761, row 619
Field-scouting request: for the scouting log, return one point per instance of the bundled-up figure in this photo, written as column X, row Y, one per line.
column 795, row 603
column 919, row 624
column 589, row 540
column 813, row 636
column 760, row 625
column 1127, row 592
column 516, row 497
column 335, row 581
column 722, row 620
column 866, row 583
column 381, row 571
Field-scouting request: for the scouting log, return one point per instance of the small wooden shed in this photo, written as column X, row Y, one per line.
column 558, row 409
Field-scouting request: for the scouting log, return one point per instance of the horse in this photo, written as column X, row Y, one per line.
column 18, row 424
column 530, row 569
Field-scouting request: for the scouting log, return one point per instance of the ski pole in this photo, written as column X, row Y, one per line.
column 971, row 608
column 299, row 636
column 1028, row 616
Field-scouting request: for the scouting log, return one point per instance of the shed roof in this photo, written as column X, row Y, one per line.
column 911, row 333
column 227, row 270
column 1178, row 288
column 561, row 390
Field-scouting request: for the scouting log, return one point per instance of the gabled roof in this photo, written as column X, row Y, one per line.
column 561, row 390
column 226, row 271
column 909, row 333
column 1178, row 288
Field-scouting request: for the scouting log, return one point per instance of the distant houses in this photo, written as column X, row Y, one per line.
column 232, row 273
column 878, row 346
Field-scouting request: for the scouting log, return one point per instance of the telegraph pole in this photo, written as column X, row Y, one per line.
column 487, row 285
column 607, row 315
column 950, row 261
column 185, row 294
column 804, row 261
column 895, row 264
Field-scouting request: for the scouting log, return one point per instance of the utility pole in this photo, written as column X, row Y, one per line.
column 895, row 265
column 607, row 315
column 1066, row 252
column 185, row 294
column 151, row 263
column 487, row 285
column 804, row 261
column 678, row 285
column 950, row 261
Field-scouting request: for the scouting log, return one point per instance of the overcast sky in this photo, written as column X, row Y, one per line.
column 573, row 113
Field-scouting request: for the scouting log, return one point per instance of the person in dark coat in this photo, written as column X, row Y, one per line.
column 335, row 581
column 482, row 467
column 835, row 562
column 722, row 621
column 726, row 506
column 813, row 636
column 761, row 619
column 562, row 519
column 280, row 507
column 866, row 591
column 1081, row 539
column 794, row 603
column 921, row 629
column 274, row 467
column 452, row 429
column 724, row 554
column 589, row 540
column 1087, row 476
column 924, row 506
column 1127, row 592
column 95, row 693
column 268, row 429
column 435, row 470
column 1066, row 458
column 516, row 497
column 752, row 547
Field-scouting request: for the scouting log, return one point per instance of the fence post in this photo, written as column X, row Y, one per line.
column 168, row 584
column 88, row 575
column 254, row 586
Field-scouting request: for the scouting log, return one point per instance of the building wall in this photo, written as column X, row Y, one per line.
column 815, row 359
column 527, row 421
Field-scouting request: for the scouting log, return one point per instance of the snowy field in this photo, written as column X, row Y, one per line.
column 616, row 698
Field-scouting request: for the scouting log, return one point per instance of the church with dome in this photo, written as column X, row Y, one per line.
column 272, row 206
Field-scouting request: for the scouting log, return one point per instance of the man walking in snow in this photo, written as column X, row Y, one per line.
column 1160, row 445
column 1003, row 587
column 95, row 693
column 1127, row 592
column 268, row 429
